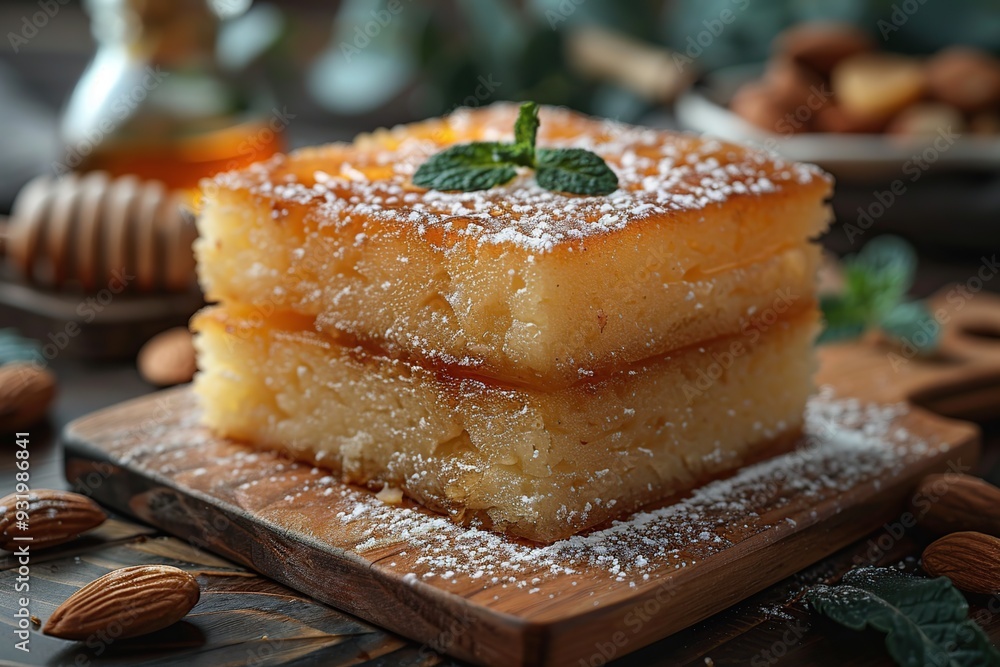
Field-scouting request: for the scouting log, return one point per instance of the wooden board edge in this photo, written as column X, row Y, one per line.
column 431, row 611
column 762, row 564
column 418, row 609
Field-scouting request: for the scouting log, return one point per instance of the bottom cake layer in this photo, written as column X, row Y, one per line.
column 535, row 464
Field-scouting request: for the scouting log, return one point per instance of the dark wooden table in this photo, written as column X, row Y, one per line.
column 243, row 618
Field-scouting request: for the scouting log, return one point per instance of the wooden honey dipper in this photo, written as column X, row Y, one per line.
column 90, row 228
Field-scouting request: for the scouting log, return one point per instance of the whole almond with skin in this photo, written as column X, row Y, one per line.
column 168, row 358
column 127, row 602
column 951, row 502
column 54, row 517
column 26, row 392
column 971, row 560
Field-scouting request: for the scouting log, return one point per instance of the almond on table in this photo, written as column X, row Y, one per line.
column 53, row 518
column 127, row 602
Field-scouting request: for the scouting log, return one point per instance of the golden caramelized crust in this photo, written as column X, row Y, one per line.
column 537, row 464
column 663, row 177
column 517, row 283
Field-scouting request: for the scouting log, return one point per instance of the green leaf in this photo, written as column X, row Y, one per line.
column 911, row 323
column 481, row 165
column 574, row 170
column 525, row 131
column 925, row 620
column 843, row 318
column 466, row 167
column 881, row 274
column 15, row 347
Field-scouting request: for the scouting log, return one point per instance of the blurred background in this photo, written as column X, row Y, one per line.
column 114, row 109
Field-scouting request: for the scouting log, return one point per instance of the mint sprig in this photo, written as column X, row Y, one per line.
column 574, row 170
column 526, row 130
column 926, row 621
column 468, row 167
column 482, row 165
column 876, row 282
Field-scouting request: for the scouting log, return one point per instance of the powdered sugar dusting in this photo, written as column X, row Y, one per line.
column 848, row 444
column 660, row 173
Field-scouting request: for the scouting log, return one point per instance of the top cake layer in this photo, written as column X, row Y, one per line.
column 517, row 282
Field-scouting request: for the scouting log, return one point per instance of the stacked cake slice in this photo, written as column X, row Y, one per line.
column 530, row 361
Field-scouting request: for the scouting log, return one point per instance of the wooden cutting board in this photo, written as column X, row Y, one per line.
column 495, row 601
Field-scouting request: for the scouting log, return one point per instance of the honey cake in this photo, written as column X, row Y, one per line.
column 537, row 463
column 517, row 283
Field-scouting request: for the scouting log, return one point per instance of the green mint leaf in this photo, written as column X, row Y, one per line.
column 481, row 165
column 466, row 167
column 525, row 131
column 911, row 324
column 925, row 620
column 881, row 274
column 843, row 318
column 574, row 170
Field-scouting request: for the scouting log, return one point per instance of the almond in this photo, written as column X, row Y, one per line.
column 26, row 392
column 755, row 104
column 52, row 517
column 168, row 358
column 821, row 45
column 966, row 78
column 926, row 119
column 127, row 602
column 951, row 502
column 876, row 86
column 971, row 560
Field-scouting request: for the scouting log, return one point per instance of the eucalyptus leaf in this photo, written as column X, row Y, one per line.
column 925, row 621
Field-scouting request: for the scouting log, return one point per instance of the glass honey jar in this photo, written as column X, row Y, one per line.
column 156, row 103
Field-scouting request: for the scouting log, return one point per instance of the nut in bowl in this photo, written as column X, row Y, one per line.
column 827, row 96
